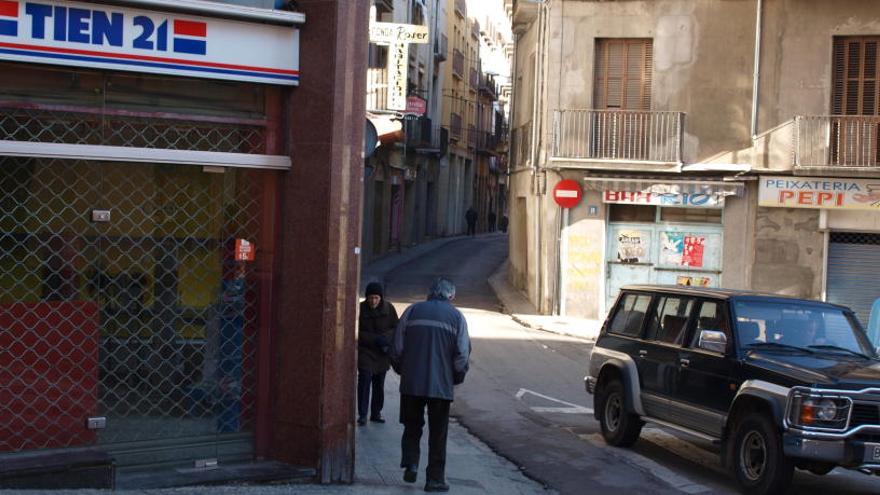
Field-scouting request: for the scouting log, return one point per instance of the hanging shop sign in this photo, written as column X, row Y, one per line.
column 397, row 37
column 817, row 192
column 687, row 200
column 120, row 38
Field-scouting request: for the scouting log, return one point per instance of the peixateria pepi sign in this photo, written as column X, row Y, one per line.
column 121, row 38
column 817, row 192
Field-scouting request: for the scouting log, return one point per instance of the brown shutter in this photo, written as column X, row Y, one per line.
column 623, row 74
column 855, row 76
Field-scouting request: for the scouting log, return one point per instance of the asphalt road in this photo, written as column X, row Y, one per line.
column 524, row 397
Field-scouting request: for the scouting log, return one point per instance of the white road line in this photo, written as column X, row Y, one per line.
column 665, row 474
column 568, row 409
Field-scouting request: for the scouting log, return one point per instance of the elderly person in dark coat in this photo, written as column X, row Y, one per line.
column 376, row 325
column 430, row 351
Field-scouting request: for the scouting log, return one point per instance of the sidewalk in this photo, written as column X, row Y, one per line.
column 517, row 305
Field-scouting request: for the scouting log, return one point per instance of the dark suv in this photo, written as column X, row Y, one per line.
column 775, row 382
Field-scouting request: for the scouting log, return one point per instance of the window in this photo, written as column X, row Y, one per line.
column 632, row 213
column 630, row 315
column 711, row 317
column 855, row 77
column 691, row 215
column 669, row 322
column 623, row 74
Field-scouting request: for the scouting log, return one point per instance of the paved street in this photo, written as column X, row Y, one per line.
column 524, row 396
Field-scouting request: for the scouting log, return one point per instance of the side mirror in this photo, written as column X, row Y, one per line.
column 713, row 340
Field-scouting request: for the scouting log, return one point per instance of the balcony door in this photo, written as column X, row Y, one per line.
column 623, row 75
column 855, row 102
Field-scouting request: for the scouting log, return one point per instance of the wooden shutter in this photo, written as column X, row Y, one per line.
column 855, row 76
column 623, row 74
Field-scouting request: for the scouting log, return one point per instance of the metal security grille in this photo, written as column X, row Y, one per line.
column 120, row 298
column 18, row 122
column 853, row 270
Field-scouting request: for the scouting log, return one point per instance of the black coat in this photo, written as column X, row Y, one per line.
column 373, row 323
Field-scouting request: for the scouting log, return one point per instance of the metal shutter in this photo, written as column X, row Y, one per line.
column 854, row 271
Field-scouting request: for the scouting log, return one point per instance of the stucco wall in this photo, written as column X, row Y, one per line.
column 789, row 252
column 703, row 56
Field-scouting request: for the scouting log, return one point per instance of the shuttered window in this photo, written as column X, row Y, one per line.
column 856, row 75
column 623, row 74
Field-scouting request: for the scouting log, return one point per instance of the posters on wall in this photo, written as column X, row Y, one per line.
column 681, row 249
column 633, row 246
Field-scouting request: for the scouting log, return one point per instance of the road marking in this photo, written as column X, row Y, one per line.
column 568, row 409
column 665, row 474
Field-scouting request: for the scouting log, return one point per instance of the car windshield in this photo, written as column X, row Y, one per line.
column 790, row 326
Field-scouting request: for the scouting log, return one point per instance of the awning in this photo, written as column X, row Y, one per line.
column 388, row 130
column 665, row 186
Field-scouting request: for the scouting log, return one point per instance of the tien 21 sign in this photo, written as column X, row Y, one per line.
column 121, row 38
column 817, row 192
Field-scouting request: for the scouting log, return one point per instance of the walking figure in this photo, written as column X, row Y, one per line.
column 376, row 324
column 430, row 352
column 471, row 217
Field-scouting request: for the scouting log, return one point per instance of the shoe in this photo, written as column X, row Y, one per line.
column 436, row 486
column 362, row 421
column 410, row 474
column 377, row 419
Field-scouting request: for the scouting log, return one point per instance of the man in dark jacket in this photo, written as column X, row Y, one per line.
column 470, row 217
column 376, row 324
column 430, row 351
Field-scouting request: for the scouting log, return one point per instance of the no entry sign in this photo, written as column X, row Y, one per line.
column 567, row 193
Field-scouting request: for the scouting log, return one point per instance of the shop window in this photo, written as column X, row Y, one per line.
column 632, row 213
column 690, row 215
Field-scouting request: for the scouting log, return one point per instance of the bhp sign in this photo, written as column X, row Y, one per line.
column 93, row 35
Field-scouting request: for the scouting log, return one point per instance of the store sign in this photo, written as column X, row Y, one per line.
column 687, row 200
column 120, row 38
column 416, row 105
column 397, row 37
column 825, row 193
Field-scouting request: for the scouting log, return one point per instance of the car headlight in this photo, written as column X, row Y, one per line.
column 815, row 411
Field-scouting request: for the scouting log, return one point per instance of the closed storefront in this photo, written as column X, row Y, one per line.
column 663, row 232
column 854, row 271
column 139, row 162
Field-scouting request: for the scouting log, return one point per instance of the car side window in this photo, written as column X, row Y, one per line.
column 670, row 318
column 630, row 315
column 711, row 317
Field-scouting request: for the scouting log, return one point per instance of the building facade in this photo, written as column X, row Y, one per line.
column 164, row 294
column 710, row 140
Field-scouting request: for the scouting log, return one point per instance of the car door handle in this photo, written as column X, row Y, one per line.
column 643, row 353
column 684, row 362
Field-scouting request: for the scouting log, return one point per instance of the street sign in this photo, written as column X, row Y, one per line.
column 567, row 193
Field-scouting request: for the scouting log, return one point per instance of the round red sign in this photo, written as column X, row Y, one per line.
column 567, row 193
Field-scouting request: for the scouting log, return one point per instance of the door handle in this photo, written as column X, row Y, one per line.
column 684, row 362
column 643, row 353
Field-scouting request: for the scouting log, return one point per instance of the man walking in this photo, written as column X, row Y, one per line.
column 430, row 352
column 470, row 217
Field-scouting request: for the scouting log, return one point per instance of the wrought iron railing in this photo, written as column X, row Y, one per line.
column 458, row 63
column 455, row 125
column 461, row 8
column 850, row 141
column 618, row 135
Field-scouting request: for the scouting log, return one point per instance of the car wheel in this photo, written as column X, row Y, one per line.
column 620, row 428
column 759, row 463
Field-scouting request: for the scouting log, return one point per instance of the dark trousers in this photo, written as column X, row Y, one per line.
column 368, row 380
column 412, row 415
column 472, row 228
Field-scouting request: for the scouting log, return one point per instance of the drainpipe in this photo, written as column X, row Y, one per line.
column 756, row 79
column 537, row 176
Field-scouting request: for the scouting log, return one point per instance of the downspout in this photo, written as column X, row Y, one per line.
column 535, row 153
column 756, row 78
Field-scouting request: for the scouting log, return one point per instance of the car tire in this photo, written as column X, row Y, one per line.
column 757, row 457
column 620, row 428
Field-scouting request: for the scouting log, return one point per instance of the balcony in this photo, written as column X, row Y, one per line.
column 472, row 137
column 475, row 30
column 836, row 143
column 441, row 45
column 455, row 126
column 611, row 138
column 485, row 142
column 461, row 8
column 488, row 87
column 377, row 89
column 474, row 79
column 458, row 63
column 423, row 137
